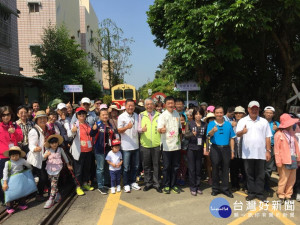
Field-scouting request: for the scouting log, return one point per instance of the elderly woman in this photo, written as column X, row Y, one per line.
column 25, row 124
column 10, row 135
column 36, row 139
column 287, row 156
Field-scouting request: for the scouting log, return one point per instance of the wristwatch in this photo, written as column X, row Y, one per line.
column 269, row 150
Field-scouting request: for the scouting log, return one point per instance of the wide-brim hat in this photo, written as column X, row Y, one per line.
column 59, row 137
column 209, row 115
column 210, row 108
column 239, row 109
column 114, row 107
column 14, row 148
column 39, row 114
column 286, row 121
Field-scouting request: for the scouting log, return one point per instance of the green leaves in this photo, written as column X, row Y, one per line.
column 60, row 61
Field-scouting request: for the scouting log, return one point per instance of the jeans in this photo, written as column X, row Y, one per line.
column 115, row 176
column 131, row 160
column 102, row 169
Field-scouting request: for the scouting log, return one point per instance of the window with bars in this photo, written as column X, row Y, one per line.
column 34, row 7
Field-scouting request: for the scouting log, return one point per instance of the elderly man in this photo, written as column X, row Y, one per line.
column 222, row 150
column 128, row 129
column 269, row 113
column 91, row 117
column 150, row 146
column 256, row 149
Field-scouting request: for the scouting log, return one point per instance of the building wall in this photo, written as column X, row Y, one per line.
column 9, row 54
column 67, row 13
column 88, row 27
column 31, row 27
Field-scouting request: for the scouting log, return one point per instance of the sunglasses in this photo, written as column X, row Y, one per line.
column 81, row 113
column 7, row 114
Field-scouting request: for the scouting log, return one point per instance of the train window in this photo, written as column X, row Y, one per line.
column 128, row 93
column 118, row 94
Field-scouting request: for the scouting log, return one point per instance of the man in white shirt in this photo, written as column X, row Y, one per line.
column 256, row 149
column 169, row 127
column 128, row 129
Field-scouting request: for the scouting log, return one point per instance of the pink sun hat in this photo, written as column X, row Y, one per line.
column 286, row 121
column 210, row 108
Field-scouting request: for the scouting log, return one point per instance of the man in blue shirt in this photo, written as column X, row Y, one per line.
column 179, row 106
column 270, row 166
column 222, row 151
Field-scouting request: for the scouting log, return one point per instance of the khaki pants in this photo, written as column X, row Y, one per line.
column 286, row 182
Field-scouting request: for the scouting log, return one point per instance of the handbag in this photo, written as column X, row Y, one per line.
column 293, row 165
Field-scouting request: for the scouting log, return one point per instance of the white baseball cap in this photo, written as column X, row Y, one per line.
column 253, row 103
column 61, row 106
column 269, row 108
column 85, row 100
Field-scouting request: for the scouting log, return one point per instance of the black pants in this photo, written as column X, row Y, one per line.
column 255, row 170
column 236, row 167
column 151, row 163
column 220, row 157
column 82, row 167
column 270, row 166
column 171, row 162
column 194, row 158
column 2, row 164
column 43, row 178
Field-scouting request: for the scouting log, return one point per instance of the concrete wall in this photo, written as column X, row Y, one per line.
column 9, row 54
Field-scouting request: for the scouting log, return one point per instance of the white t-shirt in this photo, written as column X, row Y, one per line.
column 114, row 158
column 254, row 141
column 170, row 139
column 130, row 138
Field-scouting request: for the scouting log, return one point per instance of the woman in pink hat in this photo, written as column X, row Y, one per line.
column 287, row 156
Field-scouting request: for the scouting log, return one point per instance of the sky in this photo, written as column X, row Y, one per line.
column 130, row 16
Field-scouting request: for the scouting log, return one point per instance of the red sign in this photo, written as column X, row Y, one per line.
column 158, row 96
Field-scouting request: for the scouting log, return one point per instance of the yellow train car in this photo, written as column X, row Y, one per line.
column 121, row 92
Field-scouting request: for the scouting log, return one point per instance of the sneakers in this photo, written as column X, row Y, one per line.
column 102, row 190
column 10, row 211
column 57, row 197
column 118, row 188
column 79, row 191
column 23, row 207
column 194, row 193
column 176, row 189
column 87, row 187
column 49, row 203
column 166, row 190
column 113, row 190
column 127, row 189
column 135, row 186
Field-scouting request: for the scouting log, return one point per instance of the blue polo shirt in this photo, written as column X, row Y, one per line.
column 273, row 131
column 223, row 135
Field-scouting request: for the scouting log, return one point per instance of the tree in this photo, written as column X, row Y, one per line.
column 60, row 61
column 112, row 47
column 237, row 50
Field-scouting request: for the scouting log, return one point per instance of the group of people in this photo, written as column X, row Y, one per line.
column 163, row 141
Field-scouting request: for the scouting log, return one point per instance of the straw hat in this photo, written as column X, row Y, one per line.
column 286, row 121
column 114, row 107
column 59, row 137
column 14, row 148
column 209, row 115
column 39, row 114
